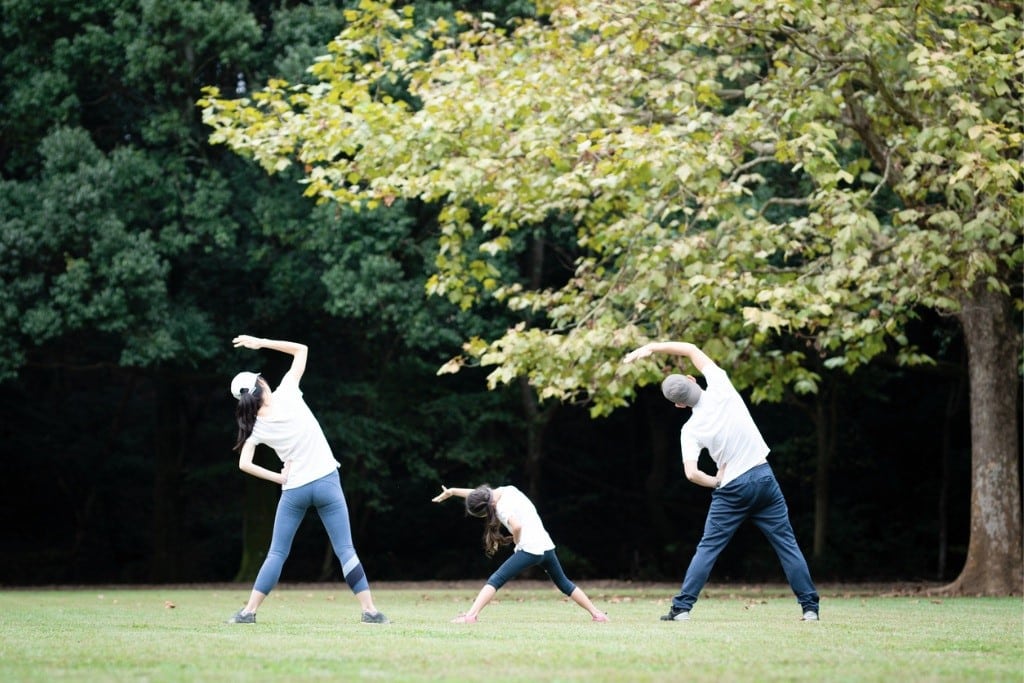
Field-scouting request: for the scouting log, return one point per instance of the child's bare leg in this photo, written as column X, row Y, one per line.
column 482, row 598
column 581, row 599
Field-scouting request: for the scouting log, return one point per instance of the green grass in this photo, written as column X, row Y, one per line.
column 530, row 633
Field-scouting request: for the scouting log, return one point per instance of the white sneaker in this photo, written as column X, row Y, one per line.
column 810, row 616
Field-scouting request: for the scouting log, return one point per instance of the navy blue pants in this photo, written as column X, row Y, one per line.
column 753, row 495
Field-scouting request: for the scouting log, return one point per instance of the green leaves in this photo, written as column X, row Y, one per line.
column 93, row 271
column 743, row 174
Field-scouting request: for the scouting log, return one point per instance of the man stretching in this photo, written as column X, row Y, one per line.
column 744, row 487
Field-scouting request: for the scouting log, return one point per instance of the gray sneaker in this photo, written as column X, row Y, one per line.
column 810, row 615
column 243, row 617
column 375, row 618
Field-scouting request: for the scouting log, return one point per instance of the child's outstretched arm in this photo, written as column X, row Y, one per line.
column 447, row 493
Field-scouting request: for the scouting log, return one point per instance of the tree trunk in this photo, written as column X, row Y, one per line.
column 167, row 453
column 665, row 462
column 259, row 507
column 994, row 564
column 945, row 460
column 825, row 423
column 535, row 419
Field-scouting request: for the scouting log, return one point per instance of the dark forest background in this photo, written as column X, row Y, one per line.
column 131, row 252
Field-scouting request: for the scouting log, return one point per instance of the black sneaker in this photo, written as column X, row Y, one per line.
column 676, row 614
column 243, row 617
column 375, row 618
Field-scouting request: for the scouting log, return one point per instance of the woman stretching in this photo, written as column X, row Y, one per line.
column 509, row 507
column 309, row 476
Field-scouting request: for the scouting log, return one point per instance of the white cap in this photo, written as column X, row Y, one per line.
column 243, row 381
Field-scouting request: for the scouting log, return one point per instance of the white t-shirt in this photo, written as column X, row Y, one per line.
column 722, row 424
column 533, row 537
column 295, row 435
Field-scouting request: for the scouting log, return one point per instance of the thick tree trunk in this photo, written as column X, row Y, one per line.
column 994, row 564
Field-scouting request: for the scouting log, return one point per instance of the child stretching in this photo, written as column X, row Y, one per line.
column 509, row 507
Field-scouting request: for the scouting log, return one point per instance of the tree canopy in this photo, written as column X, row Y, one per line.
column 661, row 129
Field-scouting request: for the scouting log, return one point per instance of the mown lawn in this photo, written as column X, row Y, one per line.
column 530, row 633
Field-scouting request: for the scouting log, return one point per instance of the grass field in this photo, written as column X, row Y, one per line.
column 530, row 633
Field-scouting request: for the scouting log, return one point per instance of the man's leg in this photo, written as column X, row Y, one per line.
column 772, row 518
column 728, row 510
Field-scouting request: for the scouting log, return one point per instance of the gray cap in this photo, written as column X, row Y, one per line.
column 681, row 389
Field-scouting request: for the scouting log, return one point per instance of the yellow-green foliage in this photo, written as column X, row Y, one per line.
column 737, row 171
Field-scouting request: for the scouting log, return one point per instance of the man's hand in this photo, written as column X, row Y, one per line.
column 638, row 353
column 672, row 348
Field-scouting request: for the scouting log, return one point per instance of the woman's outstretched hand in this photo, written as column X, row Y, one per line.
column 247, row 341
column 445, row 494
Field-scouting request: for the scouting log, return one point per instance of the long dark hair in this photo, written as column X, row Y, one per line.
column 478, row 504
column 245, row 413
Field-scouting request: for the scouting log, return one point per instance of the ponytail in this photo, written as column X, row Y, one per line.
column 478, row 504
column 249, row 403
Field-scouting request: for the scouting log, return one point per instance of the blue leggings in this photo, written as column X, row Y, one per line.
column 520, row 560
column 326, row 496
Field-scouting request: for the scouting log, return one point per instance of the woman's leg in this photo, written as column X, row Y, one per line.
column 329, row 499
column 291, row 508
